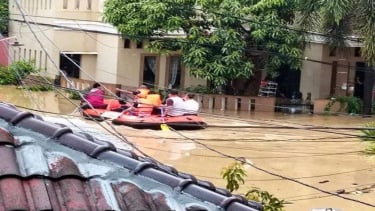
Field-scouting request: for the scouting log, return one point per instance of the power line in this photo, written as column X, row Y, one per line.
column 363, row 69
column 295, row 181
column 274, row 174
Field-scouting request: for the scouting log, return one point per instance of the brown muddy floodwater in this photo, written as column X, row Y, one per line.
column 327, row 159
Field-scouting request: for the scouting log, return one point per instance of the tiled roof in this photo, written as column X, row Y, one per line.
column 46, row 166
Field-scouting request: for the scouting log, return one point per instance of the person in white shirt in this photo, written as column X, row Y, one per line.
column 175, row 105
column 191, row 106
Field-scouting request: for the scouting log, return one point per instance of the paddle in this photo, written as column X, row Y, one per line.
column 163, row 126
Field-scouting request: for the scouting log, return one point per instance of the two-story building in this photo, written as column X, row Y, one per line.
column 69, row 35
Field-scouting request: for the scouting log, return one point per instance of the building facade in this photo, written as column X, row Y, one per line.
column 69, row 37
column 328, row 72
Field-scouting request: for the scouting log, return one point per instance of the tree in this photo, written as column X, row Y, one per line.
column 220, row 40
column 339, row 19
column 4, row 13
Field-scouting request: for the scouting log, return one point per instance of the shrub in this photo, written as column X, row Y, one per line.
column 353, row 104
column 16, row 72
column 369, row 136
column 234, row 176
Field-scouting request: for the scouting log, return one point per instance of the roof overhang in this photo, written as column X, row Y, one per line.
column 79, row 52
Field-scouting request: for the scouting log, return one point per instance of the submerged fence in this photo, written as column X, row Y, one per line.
column 206, row 101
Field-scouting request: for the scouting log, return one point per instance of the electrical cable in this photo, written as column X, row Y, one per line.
column 274, row 174
column 363, row 69
column 117, row 134
column 330, row 193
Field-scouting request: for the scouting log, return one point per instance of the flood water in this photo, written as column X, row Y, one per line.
column 284, row 161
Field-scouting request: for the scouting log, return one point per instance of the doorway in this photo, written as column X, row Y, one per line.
column 360, row 68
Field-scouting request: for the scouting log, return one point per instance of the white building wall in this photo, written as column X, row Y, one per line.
column 107, row 61
column 79, row 28
column 313, row 72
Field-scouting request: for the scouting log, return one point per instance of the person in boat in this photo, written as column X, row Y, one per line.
column 141, row 92
column 144, row 106
column 95, row 98
column 191, row 106
column 174, row 105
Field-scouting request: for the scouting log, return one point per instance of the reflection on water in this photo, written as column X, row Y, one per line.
column 44, row 101
column 328, row 159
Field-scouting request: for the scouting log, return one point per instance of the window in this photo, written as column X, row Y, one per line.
column 66, row 64
column 126, row 43
column 149, row 70
column 76, row 5
column 65, row 4
column 139, row 44
column 89, row 2
column 174, row 72
column 332, row 51
column 357, row 52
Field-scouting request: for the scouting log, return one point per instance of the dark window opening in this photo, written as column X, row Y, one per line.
column 139, row 44
column 359, row 79
column 149, row 71
column 357, row 52
column 126, row 43
column 332, row 51
column 175, row 70
column 66, row 64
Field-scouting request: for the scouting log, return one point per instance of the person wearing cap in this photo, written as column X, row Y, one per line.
column 174, row 104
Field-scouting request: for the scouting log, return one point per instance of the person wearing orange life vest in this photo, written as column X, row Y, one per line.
column 141, row 92
column 145, row 106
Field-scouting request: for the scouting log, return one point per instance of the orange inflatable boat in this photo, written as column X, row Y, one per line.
column 113, row 108
column 143, row 118
column 188, row 122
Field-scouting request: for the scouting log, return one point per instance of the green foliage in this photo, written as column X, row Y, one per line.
column 369, row 136
column 41, row 88
column 353, row 104
column 16, row 72
column 218, row 40
column 234, row 174
column 73, row 95
column 269, row 202
column 4, row 16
